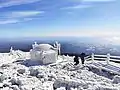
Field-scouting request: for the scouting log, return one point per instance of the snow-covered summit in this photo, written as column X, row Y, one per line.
column 60, row 75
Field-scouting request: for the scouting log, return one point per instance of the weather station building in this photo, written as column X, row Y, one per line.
column 45, row 53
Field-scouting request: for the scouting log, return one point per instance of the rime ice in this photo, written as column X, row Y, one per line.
column 60, row 75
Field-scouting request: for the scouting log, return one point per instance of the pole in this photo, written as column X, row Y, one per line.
column 108, row 58
column 92, row 56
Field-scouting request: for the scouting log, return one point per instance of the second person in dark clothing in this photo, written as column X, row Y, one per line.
column 76, row 60
column 82, row 56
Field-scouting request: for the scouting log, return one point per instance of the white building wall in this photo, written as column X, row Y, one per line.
column 45, row 57
column 44, row 53
column 49, row 58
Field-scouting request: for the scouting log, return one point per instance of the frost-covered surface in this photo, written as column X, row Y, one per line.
column 62, row 75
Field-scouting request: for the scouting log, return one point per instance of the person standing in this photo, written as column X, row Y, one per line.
column 82, row 56
column 76, row 60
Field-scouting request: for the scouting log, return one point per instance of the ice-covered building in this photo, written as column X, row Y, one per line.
column 45, row 53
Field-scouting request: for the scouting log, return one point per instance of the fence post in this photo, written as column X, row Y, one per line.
column 67, row 57
column 100, row 69
column 92, row 56
column 108, row 58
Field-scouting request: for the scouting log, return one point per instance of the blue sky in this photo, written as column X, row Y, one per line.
column 79, row 18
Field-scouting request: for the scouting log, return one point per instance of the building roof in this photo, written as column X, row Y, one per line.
column 44, row 47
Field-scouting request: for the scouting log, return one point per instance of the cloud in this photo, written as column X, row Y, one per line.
column 86, row 33
column 76, row 7
column 85, row 3
column 9, row 22
column 14, row 21
column 98, row 0
column 92, row 1
column 8, row 3
column 18, row 14
column 28, row 19
column 107, row 36
column 113, row 40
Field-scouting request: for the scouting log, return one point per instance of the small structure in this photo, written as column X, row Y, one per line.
column 57, row 46
column 45, row 53
column 11, row 51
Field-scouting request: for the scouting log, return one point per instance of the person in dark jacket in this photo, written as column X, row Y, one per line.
column 82, row 56
column 76, row 60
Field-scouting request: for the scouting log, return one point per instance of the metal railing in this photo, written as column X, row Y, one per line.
column 108, row 58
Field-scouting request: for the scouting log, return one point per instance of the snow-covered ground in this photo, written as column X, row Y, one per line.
column 16, row 74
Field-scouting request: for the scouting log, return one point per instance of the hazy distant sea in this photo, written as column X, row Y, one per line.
column 68, row 45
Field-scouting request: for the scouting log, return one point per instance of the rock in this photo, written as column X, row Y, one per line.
column 60, row 83
column 16, row 81
column 5, row 66
column 69, row 84
column 25, row 87
column 79, row 71
column 21, row 71
column 15, row 87
column 22, row 88
column 34, row 72
column 85, row 86
column 62, row 88
column 10, row 89
column 1, row 85
column 52, row 75
column 46, row 78
column 104, row 88
column 6, row 88
column 2, row 77
column 5, row 85
column 85, row 68
column 1, row 72
column 19, row 82
column 13, row 81
column 42, row 80
column 116, row 79
column 40, row 75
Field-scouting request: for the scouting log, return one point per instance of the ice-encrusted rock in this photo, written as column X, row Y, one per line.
column 61, row 88
column 15, row 87
column 19, row 82
column 63, row 74
column 26, row 87
column 13, row 81
column 2, row 77
column 40, row 75
column 68, row 84
column 21, row 71
column 5, row 66
column 16, row 81
column 1, row 85
column 85, row 68
column 43, row 77
column 34, row 71
column 7, row 84
column 51, row 77
column 22, row 88
column 48, row 85
column 6, row 88
column 99, row 87
column 116, row 79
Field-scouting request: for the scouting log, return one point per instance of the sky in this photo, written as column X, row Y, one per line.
column 76, row 18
